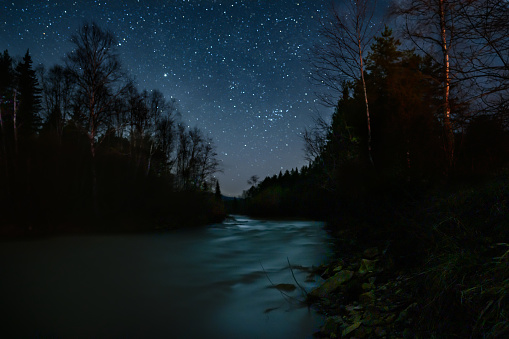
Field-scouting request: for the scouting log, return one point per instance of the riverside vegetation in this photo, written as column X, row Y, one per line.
column 410, row 172
column 419, row 205
column 82, row 149
column 439, row 268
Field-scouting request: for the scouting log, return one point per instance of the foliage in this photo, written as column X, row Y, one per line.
column 97, row 154
column 409, row 147
column 292, row 194
column 443, row 224
column 461, row 277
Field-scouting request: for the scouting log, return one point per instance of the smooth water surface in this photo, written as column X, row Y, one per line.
column 213, row 282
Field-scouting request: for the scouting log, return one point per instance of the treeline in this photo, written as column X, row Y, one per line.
column 83, row 147
column 414, row 161
column 406, row 119
column 290, row 194
column 407, row 151
column 408, row 145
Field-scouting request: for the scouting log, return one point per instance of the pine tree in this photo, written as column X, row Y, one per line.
column 28, row 98
column 6, row 75
column 6, row 91
column 218, row 190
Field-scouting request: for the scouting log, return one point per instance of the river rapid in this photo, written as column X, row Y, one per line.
column 212, row 282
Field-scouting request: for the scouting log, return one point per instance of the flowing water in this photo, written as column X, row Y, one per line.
column 213, row 282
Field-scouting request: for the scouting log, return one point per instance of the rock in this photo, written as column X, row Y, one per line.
column 338, row 268
column 404, row 314
column 390, row 318
column 371, row 317
column 284, row 287
column 331, row 325
column 380, row 332
column 351, row 308
column 367, row 297
column 351, row 328
column 371, row 253
column 310, row 279
column 367, row 266
column 363, row 332
column 331, row 284
column 268, row 310
column 367, row 286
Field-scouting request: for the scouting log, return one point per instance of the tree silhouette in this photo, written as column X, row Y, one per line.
column 96, row 70
column 218, row 191
column 28, row 99
column 340, row 56
column 58, row 90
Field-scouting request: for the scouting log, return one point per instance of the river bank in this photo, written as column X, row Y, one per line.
column 174, row 211
column 439, row 269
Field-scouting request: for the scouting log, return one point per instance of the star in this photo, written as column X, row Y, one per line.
column 237, row 68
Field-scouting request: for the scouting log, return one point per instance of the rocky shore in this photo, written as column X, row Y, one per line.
column 362, row 297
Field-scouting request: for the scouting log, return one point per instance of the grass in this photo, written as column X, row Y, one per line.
column 463, row 285
column 452, row 247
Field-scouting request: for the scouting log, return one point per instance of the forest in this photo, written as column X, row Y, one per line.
column 410, row 172
column 412, row 166
column 82, row 148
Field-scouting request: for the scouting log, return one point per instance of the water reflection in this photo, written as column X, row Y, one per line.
column 213, row 282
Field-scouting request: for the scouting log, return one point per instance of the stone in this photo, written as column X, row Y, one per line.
column 371, row 253
column 367, row 286
column 371, row 317
column 332, row 284
column 367, row 266
column 403, row 315
column 331, row 325
column 367, row 297
column 284, row 287
column 351, row 328
column 390, row 318
column 380, row 332
column 338, row 268
column 351, row 308
column 363, row 332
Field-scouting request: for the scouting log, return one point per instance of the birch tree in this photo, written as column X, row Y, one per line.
column 430, row 25
column 96, row 71
column 339, row 56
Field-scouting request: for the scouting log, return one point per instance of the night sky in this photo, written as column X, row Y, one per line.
column 239, row 69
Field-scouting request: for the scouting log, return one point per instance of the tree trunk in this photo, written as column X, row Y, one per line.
column 15, row 125
column 4, row 150
column 149, row 160
column 366, row 100
column 449, row 133
column 94, row 175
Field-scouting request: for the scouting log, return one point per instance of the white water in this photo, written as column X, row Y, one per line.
column 211, row 282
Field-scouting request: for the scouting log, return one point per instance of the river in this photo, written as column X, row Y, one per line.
column 212, row 282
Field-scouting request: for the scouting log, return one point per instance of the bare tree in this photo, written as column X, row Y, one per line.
column 165, row 139
column 208, row 162
column 96, row 71
column 346, row 37
column 431, row 26
column 484, row 25
column 315, row 139
column 57, row 93
column 196, row 158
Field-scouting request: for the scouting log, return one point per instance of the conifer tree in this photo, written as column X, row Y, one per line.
column 218, row 191
column 28, row 98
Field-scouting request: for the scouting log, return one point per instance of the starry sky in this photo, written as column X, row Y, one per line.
column 238, row 68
